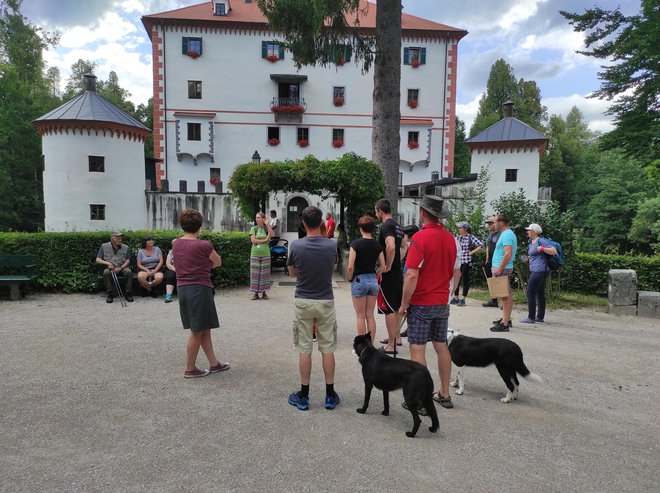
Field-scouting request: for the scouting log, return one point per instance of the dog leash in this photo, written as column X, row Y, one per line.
column 403, row 319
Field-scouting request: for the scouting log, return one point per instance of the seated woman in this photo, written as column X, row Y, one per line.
column 170, row 277
column 149, row 263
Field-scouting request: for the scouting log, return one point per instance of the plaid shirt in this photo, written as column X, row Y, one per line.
column 468, row 243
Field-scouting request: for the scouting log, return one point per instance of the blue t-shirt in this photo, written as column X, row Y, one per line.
column 538, row 261
column 507, row 238
column 315, row 259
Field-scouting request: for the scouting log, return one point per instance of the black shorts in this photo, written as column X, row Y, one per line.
column 392, row 286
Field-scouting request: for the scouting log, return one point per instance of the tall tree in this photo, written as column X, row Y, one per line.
column 620, row 185
column 462, row 159
column 567, row 167
column 631, row 79
column 75, row 84
column 315, row 30
column 502, row 87
column 24, row 96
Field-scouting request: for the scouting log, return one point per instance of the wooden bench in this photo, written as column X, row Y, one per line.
column 18, row 268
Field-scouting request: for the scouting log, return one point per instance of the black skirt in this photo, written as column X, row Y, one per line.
column 197, row 307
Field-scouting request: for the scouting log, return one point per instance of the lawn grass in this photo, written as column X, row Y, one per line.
column 565, row 299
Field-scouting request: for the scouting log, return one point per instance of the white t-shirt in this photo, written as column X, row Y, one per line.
column 274, row 222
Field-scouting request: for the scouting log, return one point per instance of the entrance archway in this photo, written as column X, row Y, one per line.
column 293, row 211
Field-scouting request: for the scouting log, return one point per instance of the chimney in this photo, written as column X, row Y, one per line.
column 90, row 82
column 507, row 109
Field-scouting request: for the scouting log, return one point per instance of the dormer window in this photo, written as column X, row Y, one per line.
column 220, row 8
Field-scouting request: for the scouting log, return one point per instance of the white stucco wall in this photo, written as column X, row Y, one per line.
column 526, row 161
column 237, row 88
column 70, row 188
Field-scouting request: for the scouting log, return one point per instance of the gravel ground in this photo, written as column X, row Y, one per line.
column 94, row 399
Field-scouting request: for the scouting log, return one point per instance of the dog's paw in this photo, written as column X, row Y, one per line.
column 505, row 399
column 459, row 391
column 385, row 413
column 433, row 429
column 453, row 383
column 410, row 434
column 361, row 411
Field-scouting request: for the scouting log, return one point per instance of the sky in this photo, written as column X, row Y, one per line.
column 530, row 35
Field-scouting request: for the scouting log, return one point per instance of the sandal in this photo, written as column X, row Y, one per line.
column 255, row 296
column 264, row 296
column 420, row 410
column 387, row 341
column 444, row 401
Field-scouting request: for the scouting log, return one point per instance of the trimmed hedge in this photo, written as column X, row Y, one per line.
column 67, row 260
column 586, row 273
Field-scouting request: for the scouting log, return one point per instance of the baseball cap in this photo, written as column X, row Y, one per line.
column 535, row 227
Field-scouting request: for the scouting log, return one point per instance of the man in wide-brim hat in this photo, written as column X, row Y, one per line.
column 431, row 264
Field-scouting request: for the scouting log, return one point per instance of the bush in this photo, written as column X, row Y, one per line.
column 587, row 272
column 67, row 260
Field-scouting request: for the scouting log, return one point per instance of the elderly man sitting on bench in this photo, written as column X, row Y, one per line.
column 116, row 258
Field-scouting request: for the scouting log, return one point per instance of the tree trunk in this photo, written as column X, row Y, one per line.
column 387, row 84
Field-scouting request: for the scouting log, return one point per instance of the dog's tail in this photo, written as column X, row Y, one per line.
column 528, row 375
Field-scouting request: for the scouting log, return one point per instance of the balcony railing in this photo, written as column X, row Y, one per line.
column 288, row 105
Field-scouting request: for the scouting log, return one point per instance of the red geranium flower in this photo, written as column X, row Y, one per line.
column 303, row 143
column 273, row 142
column 337, row 143
column 415, row 63
column 412, row 144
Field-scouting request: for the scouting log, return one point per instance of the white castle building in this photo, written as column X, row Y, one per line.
column 93, row 165
column 224, row 86
column 225, row 91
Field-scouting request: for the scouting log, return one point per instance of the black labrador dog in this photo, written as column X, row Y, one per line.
column 388, row 374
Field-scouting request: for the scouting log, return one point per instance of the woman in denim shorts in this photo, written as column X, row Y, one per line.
column 365, row 253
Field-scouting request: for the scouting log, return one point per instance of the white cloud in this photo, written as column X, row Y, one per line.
column 519, row 12
column 593, row 109
column 468, row 112
column 109, row 28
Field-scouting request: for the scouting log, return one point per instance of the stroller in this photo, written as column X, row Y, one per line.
column 279, row 252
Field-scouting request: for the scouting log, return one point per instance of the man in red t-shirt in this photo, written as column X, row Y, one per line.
column 330, row 226
column 431, row 263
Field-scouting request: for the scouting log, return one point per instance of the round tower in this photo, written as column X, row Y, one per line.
column 94, row 171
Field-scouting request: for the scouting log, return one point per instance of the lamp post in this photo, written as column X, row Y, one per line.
column 256, row 158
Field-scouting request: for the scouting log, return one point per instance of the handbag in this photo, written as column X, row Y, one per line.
column 498, row 286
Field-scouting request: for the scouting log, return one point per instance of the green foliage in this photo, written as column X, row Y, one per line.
column 472, row 207
column 568, row 165
column 502, row 87
column 620, row 184
column 67, row 260
column 462, row 158
column 24, row 95
column 587, row 273
column 354, row 180
column 645, row 229
column 631, row 78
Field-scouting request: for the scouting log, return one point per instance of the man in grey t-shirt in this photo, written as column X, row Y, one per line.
column 311, row 262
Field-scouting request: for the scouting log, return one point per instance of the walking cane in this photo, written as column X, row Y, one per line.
column 120, row 294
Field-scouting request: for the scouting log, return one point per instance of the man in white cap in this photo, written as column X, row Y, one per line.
column 116, row 258
column 432, row 261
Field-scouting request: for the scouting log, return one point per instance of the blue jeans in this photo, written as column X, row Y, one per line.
column 536, row 291
column 364, row 285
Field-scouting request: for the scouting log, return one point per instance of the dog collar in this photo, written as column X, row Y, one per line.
column 365, row 348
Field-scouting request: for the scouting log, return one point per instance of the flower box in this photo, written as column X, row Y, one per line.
column 412, row 144
column 273, row 142
column 415, row 63
column 303, row 143
column 413, row 103
column 214, row 181
column 193, row 54
column 337, row 143
column 287, row 109
column 272, row 58
column 340, row 62
column 338, row 101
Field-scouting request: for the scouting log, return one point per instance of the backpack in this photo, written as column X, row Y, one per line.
column 556, row 261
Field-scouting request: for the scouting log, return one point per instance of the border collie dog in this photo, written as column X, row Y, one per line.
column 506, row 355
